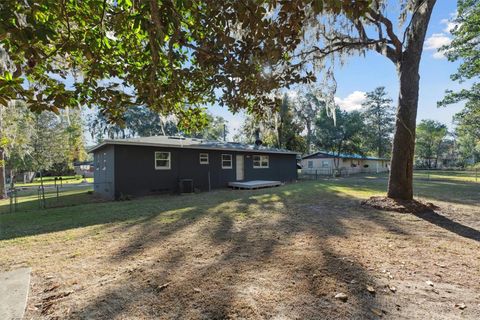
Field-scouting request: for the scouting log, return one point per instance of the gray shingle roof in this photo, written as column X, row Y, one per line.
column 190, row 143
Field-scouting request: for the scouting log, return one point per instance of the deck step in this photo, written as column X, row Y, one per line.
column 255, row 184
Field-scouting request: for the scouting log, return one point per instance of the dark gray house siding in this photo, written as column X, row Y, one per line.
column 135, row 173
column 104, row 171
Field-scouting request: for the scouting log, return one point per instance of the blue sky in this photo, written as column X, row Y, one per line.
column 362, row 74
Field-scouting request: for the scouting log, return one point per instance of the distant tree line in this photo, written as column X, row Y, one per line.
column 40, row 141
column 141, row 121
column 303, row 123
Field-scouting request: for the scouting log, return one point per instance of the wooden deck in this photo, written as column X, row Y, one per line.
column 254, row 184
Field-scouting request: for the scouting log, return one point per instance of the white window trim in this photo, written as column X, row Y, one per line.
column 261, row 166
column 231, row 161
column 310, row 164
column 169, row 160
column 203, row 155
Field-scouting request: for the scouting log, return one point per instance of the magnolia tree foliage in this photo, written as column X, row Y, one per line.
column 168, row 55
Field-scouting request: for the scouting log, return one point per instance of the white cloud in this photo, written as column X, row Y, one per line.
column 449, row 25
column 435, row 42
column 351, row 102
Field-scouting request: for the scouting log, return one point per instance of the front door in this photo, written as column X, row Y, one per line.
column 240, row 167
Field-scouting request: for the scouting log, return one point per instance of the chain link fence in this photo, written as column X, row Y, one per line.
column 467, row 176
column 325, row 173
column 21, row 199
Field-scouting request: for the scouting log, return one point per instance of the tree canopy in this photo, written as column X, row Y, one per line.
column 344, row 136
column 464, row 47
column 430, row 142
column 172, row 56
column 378, row 114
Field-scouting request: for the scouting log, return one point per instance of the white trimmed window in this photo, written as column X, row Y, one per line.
column 260, row 162
column 203, row 158
column 162, row 160
column 325, row 163
column 310, row 164
column 226, row 161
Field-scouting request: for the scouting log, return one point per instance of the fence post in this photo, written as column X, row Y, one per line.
column 38, row 197
column 316, row 175
column 16, row 199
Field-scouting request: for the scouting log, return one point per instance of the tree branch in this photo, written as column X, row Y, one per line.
column 377, row 16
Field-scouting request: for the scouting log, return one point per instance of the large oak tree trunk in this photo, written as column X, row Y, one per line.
column 400, row 184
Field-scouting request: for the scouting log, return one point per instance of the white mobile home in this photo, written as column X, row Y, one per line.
column 323, row 163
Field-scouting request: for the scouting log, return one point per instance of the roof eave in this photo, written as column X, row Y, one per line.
column 197, row 147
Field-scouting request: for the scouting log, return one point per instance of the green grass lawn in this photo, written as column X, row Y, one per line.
column 28, row 200
column 47, row 181
column 465, row 176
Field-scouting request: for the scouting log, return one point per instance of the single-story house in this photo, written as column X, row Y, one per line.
column 84, row 168
column 323, row 163
column 149, row 165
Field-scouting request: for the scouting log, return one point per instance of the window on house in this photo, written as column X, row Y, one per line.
column 226, row 161
column 260, row 161
column 310, row 164
column 97, row 162
column 325, row 163
column 162, row 160
column 203, row 158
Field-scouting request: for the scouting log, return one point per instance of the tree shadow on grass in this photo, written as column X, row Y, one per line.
column 255, row 267
column 450, row 225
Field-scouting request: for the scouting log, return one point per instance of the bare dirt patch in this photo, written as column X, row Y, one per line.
column 399, row 205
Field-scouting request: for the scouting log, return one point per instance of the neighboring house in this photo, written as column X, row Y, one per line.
column 141, row 166
column 84, row 168
column 323, row 163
